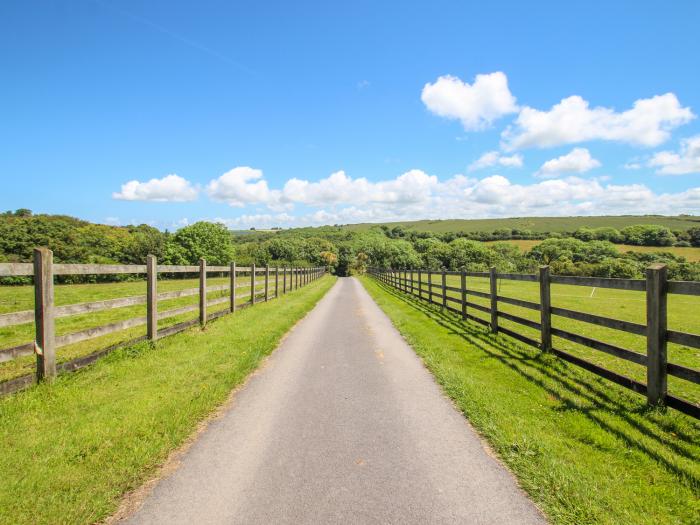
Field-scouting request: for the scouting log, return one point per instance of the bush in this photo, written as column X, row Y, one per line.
column 648, row 235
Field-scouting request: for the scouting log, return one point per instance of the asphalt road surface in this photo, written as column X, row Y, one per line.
column 343, row 424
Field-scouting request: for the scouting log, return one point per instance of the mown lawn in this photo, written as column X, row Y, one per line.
column 19, row 298
column 585, row 450
column 71, row 449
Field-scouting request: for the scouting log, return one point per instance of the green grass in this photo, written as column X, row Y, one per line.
column 692, row 254
column 537, row 224
column 618, row 304
column 19, row 298
column 71, row 449
column 585, row 450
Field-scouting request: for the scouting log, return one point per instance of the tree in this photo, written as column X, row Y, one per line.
column 470, row 255
column 346, row 258
column 205, row 240
column 330, row 259
column 694, row 234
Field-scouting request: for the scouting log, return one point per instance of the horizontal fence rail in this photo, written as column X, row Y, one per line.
column 263, row 283
column 655, row 286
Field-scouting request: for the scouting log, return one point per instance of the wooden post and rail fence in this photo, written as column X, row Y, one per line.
column 656, row 286
column 45, row 312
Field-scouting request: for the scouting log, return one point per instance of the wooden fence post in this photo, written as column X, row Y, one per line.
column 545, row 310
column 420, row 285
column 277, row 282
column 267, row 282
column 252, row 284
column 45, row 329
column 444, row 289
column 151, row 298
column 656, row 275
column 494, row 299
column 202, row 292
column 284, row 280
column 463, row 288
column 232, row 286
column 430, row 286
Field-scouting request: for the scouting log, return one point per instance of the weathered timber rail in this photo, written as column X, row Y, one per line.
column 265, row 283
column 656, row 286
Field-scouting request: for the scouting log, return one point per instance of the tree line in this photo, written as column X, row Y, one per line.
column 586, row 252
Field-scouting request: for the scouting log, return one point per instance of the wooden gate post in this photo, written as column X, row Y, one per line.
column 202, row 292
column 463, row 288
column 494, row 299
column 45, row 330
column 420, row 285
column 252, row 284
column 656, row 275
column 284, row 280
column 232, row 286
column 267, row 282
column 277, row 282
column 151, row 298
column 545, row 310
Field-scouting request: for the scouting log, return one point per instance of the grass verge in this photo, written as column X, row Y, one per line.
column 71, row 449
column 584, row 449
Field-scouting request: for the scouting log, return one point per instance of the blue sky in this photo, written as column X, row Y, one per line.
column 280, row 113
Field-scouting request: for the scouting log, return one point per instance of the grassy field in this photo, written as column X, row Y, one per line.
column 71, row 449
column 587, row 451
column 691, row 254
column 19, row 298
column 619, row 304
column 537, row 224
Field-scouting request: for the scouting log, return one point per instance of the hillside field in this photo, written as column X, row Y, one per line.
column 537, row 224
column 692, row 254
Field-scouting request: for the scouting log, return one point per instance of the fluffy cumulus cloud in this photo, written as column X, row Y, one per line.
column 494, row 158
column 648, row 123
column 682, row 163
column 171, row 188
column 476, row 105
column 410, row 187
column 578, row 160
column 341, row 199
column 242, row 186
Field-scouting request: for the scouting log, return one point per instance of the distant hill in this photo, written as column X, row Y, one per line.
column 537, row 224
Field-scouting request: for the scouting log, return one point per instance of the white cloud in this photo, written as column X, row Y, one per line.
column 338, row 188
column 493, row 158
column 340, row 199
column 648, row 123
column 578, row 160
column 682, row 163
column 632, row 165
column 171, row 188
column 476, row 105
column 241, row 186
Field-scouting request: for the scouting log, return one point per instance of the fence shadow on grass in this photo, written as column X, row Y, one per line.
column 638, row 426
